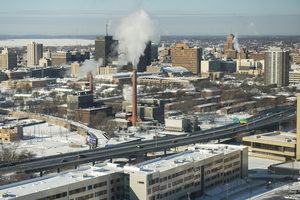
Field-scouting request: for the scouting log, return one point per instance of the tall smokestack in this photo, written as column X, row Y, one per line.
column 134, row 99
column 91, row 81
column 239, row 60
column 106, row 29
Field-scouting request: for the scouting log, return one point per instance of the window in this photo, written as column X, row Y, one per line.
column 90, row 187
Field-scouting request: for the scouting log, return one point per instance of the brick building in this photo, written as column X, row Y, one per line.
column 185, row 56
column 11, row 134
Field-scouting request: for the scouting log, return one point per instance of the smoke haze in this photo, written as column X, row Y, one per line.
column 90, row 65
column 236, row 44
column 127, row 93
column 134, row 32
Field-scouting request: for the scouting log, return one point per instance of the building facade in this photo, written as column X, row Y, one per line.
column 105, row 48
column 276, row 67
column 78, row 100
column 8, row 60
column 187, row 57
column 34, row 54
column 210, row 65
column 11, row 134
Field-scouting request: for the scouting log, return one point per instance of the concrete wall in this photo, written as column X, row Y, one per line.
column 40, row 117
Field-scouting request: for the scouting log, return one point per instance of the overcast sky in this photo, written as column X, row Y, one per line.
column 176, row 17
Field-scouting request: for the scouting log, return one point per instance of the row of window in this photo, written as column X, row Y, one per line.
column 97, row 185
column 56, row 196
column 231, row 158
column 117, row 180
column 84, row 197
column 114, row 189
column 188, row 185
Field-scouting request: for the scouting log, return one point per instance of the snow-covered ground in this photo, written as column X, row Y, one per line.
column 47, row 139
column 220, row 119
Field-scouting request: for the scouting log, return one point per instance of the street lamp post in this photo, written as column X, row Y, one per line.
column 227, row 190
column 273, row 172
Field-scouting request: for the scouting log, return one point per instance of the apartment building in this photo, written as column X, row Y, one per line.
column 276, row 67
column 34, row 54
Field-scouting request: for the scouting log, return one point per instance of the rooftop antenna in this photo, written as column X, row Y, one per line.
column 106, row 27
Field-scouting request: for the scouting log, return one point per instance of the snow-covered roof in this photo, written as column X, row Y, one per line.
column 175, row 69
column 195, row 153
column 55, row 181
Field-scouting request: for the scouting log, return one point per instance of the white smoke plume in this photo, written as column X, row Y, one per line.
column 127, row 93
column 90, row 65
column 236, row 44
column 134, row 32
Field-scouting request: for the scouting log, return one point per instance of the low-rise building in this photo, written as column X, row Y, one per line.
column 11, row 134
column 273, row 145
column 196, row 171
column 30, row 83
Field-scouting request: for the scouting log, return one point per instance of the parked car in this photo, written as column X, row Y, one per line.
column 174, row 141
column 63, row 160
column 139, row 146
column 233, row 129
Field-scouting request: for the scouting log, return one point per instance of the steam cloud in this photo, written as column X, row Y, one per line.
column 236, row 44
column 90, row 65
column 127, row 93
column 134, row 32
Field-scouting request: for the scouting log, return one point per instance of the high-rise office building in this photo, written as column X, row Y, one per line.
column 185, row 56
column 228, row 47
column 105, row 48
column 276, row 67
column 34, row 53
column 145, row 59
column 8, row 60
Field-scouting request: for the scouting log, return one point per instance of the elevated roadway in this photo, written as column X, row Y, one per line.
column 269, row 118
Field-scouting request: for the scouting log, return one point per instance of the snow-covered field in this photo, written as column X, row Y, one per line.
column 45, row 42
column 47, row 139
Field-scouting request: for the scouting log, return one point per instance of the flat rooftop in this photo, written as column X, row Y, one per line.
column 57, row 180
column 275, row 137
column 195, row 153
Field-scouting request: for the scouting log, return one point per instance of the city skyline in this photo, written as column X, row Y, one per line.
column 175, row 17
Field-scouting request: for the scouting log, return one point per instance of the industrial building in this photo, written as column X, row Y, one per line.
column 87, row 115
column 78, row 100
column 147, row 109
column 185, row 56
column 192, row 172
column 167, row 81
column 30, row 83
column 188, row 123
column 11, row 134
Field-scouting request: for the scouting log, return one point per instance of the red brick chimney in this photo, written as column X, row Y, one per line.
column 134, row 99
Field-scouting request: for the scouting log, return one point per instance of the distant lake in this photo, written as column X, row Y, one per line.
column 45, row 42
